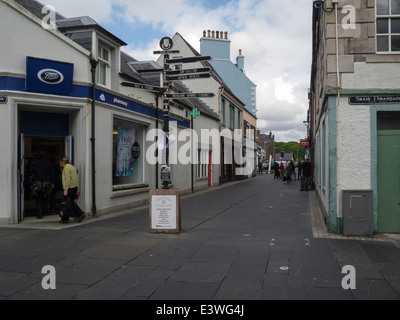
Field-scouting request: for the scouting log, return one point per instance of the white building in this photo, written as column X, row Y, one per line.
column 48, row 101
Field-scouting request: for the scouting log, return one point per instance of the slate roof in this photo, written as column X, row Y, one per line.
column 35, row 7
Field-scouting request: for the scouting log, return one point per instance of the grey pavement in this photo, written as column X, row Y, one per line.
column 258, row 239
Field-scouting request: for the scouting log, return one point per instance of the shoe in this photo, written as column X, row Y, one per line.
column 79, row 219
column 63, row 221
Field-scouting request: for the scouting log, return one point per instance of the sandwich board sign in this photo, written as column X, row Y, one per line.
column 165, row 211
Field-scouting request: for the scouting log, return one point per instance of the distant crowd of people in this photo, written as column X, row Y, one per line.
column 289, row 173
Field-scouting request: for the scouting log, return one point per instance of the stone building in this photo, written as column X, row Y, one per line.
column 354, row 114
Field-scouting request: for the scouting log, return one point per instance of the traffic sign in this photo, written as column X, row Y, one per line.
column 142, row 86
column 189, row 95
column 186, row 71
column 189, row 59
column 188, row 76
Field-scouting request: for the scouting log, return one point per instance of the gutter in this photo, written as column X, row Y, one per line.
column 93, row 64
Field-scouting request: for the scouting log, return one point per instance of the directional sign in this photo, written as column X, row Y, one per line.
column 189, row 59
column 141, row 86
column 194, row 113
column 189, row 76
column 186, row 71
column 189, row 95
column 166, row 51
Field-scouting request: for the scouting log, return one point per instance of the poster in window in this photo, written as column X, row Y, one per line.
column 125, row 160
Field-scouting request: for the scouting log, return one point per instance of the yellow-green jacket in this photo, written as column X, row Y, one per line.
column 70, row 177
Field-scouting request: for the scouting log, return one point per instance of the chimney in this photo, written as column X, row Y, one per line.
column 216, row 45
column 240, row 61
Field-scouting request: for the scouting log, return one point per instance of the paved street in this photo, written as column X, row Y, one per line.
column 251, row 240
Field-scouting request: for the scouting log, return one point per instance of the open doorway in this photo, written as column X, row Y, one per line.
column 54, row 148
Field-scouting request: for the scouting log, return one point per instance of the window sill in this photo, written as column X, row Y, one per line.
column 125, row 190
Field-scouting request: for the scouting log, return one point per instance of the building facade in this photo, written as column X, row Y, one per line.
column 230, row 110
column 355, row 114
column 61, row 91
column 217, row 45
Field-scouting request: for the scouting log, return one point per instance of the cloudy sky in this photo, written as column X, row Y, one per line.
column 275, row 36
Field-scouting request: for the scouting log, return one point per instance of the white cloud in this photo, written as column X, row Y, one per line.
column 275, row 36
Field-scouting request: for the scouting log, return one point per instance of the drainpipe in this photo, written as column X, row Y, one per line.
column 93, row 63
column 337, row 106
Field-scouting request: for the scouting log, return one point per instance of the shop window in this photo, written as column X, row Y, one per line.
column 388, row 26
column 128, row 163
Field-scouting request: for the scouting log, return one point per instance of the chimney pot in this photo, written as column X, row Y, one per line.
column 217, row 34
column 213, row 34
column 240, row 52
column 204, row 33
column 209, row 33
column 226, row 35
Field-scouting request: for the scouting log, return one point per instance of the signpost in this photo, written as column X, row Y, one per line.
column 142, row 86
column 186, row 71
column 188, row 60
column 189, row 95
column 165, row 210
column 189, row 76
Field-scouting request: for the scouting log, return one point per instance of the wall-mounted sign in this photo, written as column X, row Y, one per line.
column 304, row 143
column 3, row 99
column 378, row 99
column 49, row 76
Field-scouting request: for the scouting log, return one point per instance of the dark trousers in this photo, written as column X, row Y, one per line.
column 41, row 203
column 71, row 209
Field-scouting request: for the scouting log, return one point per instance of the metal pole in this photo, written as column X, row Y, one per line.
column 166, row 120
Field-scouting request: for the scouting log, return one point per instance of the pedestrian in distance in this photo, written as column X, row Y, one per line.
column 306, row 176
column 289, row 172
column 42, row 182
column 276, row 169
column 70, row 192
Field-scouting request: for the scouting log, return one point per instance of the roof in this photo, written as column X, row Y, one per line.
column 35, row 7
column 85, row 22
column 286, row 157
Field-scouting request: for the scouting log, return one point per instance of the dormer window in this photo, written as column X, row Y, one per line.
column 104, row 64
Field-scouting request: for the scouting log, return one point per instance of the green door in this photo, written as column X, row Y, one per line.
column 388, row 181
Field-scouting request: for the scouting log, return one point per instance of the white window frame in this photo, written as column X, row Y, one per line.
column 104, row 62
column 202, row 163
column 389, row 34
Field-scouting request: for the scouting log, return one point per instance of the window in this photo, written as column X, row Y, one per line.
column 239, row 125
column 223, row 112
column 388, row 26
column 104, row 64
column 202, row 163
column 127, row 154
column 231, row 117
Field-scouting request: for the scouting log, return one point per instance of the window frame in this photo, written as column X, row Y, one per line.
column 388, row 35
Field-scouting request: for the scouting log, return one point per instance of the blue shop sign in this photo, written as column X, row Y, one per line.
column 49, row 76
